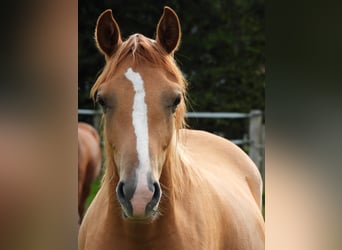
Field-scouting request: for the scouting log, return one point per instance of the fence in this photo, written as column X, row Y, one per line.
column 256, row 132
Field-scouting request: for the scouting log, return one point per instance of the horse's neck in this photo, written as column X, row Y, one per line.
column 179, row 173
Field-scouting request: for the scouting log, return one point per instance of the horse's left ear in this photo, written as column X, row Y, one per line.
column 168, row 31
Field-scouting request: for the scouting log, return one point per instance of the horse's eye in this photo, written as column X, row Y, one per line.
column 102, row 102
column 176, row 102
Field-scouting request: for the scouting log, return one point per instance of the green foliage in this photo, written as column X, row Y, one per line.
column 222, row 52
column 95, row 186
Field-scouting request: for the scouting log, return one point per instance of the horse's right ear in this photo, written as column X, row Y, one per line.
column 107, row 34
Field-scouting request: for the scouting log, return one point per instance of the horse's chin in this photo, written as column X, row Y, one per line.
column 141, row 219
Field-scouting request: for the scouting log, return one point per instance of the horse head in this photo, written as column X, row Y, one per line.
column 141, row 91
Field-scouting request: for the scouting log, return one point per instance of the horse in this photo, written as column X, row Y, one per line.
column 89, row 162
column 165, row 186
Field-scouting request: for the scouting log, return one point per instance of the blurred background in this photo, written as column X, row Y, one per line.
column 38, row 126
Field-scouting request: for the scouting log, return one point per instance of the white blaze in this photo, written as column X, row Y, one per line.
column 140, row 124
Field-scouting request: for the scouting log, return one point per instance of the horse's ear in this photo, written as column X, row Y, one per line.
column 107, row 34
column 168, row 31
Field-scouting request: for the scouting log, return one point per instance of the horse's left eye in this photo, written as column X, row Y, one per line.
column 176, row 102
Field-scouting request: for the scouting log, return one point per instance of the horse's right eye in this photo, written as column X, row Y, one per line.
column 102, row 103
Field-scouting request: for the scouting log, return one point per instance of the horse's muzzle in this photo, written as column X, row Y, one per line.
column 138, row 202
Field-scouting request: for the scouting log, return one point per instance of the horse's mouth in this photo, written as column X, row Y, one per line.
column 147, row 218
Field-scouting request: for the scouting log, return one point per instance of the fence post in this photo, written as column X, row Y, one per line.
column 255, row 137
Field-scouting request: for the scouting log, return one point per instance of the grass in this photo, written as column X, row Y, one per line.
column 95, row 186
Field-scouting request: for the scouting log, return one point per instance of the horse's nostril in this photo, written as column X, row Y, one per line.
column 155, row 199
column 157, row 193
column 120, row 191
column 125, row 191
